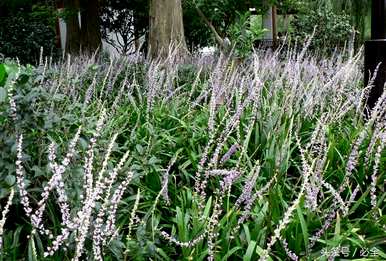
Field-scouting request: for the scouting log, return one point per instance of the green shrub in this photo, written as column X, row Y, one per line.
column 23, row 35
column 331, row 30
column 244, row 33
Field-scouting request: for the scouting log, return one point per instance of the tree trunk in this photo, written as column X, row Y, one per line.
column 91, row 39
column 72, row 27
column 217, row 37
column 136, row 32
column 166, row 28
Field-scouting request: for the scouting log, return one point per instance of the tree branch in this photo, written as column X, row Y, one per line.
column 218, row 38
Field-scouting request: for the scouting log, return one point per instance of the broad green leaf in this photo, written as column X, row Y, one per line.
column 231, row 252
column 163, row 254
column 3, row 75
column 247, row 233
column 39, row 244
column 207, row 207
column 32, row 250
column 251, row 247
column 10, row 180
column 3, row 94
column 382, row 254
column 139, row 149
column 303, row 225
column 337, row 226
column 11, row 69
column 16, row 236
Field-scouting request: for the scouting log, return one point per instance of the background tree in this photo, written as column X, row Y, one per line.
column 223, row 15
column 220, row 13
column 82, row 36
column 358, row 12
column 166, row 28
column 130, row 20
column 91, row 39
column 26, row 26
column 123, row 23
column 330, row 30
column 72, row 26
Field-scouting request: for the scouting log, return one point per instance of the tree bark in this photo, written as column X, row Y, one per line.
column 166, row 29
column 136, row 32
column 91, row 39
column 72, row 27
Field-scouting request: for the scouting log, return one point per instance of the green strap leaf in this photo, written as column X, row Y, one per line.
column 3, row 75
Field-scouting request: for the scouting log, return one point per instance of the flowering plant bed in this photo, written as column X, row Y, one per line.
column 134, row 160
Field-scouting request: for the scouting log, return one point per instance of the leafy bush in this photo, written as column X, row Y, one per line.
column 23, row 35
column 244, row 33
column 331, row 29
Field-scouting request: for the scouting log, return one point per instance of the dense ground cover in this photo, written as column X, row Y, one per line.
column 124, row 159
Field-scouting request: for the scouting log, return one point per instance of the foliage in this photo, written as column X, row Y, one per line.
column 331, row 29
column 358, row 12
column 23, row 34
column 30, row 98
column 289, row 6
column 244, row 33
column 222, row 15
column 225, row 16
column 45, row 14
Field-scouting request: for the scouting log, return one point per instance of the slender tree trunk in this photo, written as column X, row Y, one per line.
column 72, row 27
column 135, row 32
column 91, row 38
column 217, row 36
column 166, row 28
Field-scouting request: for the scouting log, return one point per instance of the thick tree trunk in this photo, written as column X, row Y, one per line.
column 166, row 28
column 72, row 27
column 91, row 39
